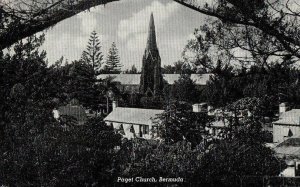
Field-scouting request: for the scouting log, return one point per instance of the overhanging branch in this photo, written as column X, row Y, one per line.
column 23, row 29
column 286, row 40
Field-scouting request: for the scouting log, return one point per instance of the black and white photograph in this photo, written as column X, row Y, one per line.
column 175, row 93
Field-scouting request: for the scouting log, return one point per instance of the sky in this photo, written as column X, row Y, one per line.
column 126, row 23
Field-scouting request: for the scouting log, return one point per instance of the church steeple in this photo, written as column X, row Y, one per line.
column 151, row 41
column 151, row 77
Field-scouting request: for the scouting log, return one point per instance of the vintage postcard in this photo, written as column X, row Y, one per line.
column 149, row 93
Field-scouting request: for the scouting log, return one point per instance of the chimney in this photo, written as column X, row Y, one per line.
column 114, row 104
column 283, row 107
column 56, row 113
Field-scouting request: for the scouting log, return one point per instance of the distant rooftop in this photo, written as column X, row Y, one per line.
column 134, row 79
column 220, row 124
column 290, row 117
column 76, row 111
column 133, row 115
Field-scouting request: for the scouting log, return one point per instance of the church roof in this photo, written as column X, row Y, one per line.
column 133, row 115
column 134, row 79
column 124, row 79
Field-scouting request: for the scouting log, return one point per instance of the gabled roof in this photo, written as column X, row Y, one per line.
column 76, row 111
column 133, row 115
column 291, row 117
column 289, row 148
column 220, row 124
column 134, row 79
column 290, row 152
column 294, row 141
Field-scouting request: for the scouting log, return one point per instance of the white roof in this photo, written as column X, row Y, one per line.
column 133, row 115
column 290, row 117
column 288, row 172
column 220, row 123
column 134, row 79
column 289, row 148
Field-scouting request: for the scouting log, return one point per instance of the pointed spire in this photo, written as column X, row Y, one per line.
column 151, row 41
column 151, row 78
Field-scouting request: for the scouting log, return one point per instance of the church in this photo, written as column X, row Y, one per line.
column 141, row 122
column 151, row 80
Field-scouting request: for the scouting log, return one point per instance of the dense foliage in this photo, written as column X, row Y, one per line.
column 272, row 86
column 185, row 89
column 36, row 149
column 240, row 160
column 179, row 122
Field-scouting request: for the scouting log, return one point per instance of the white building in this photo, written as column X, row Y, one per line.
column 287, row 126
column 134, row 122
column 290, row 151
column 218, row 128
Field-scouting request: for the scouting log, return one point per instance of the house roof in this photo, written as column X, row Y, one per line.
column 289, row 151
column 220, row 124
column 288, row 172
column 290, row 147
column 133, row 115
column 75, row 111
column 294, row 141
column 134, row 79
column 291, row 117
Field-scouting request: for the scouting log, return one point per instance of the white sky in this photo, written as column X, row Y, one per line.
column 126, row 23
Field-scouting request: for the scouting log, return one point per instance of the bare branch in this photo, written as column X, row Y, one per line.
column 278, row 28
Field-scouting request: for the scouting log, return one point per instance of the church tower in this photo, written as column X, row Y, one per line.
column 151, row 78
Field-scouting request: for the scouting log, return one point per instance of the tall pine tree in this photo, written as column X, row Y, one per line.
column 93, row 55
column 113, row 64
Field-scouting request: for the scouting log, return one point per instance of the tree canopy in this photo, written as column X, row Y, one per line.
column 184, row 89
column 35, row 148
column 272, row 85
column 263, row 31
